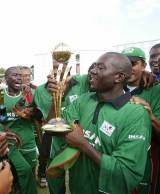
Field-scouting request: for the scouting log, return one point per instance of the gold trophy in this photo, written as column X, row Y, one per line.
column 61, row 70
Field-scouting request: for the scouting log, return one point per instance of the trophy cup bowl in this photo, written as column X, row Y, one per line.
column 61, row 54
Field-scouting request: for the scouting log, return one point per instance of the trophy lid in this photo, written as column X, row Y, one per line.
column 61, row 53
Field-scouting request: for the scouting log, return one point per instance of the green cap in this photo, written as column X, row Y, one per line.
column 63, row 161
column 134, row 53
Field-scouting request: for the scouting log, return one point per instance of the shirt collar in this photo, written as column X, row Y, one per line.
column 137, row 90
column 73, row 82
column 118, row 102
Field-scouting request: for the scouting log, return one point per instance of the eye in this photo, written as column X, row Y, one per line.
column 134, row 63
column 100, row 66
column 152, row 56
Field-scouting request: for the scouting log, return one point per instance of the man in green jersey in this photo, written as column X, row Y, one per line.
column 152, row 97
column 115, row 139
column 23, row 158
column 43, row 99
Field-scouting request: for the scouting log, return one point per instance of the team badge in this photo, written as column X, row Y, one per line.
column 107, row 128
column 73, row 98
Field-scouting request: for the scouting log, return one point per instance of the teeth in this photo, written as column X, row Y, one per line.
column 17, row 85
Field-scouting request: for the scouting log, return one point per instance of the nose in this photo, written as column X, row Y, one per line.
column 19, row 77
column 93, row 70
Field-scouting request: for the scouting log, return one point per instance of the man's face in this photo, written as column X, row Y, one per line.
column 26, row 76
column 102, row 76
column 137, row 70
column 14, row 79
column 154, row 60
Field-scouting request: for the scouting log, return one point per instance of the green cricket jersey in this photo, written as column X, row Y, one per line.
column 152, row 96
column 121, row 131
column 22, row 127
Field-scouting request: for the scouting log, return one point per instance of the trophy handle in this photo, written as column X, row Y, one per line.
column 61, row 75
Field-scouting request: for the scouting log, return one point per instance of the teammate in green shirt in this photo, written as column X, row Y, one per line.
column 152, row 97
column 43, row 99
column 23, row 158
column 115, row 136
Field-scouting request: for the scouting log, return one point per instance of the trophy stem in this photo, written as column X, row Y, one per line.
column 55, row 103
column 60, row 103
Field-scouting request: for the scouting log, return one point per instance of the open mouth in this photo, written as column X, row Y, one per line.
column 92, row 79
column 155, row 69
column 17, row 85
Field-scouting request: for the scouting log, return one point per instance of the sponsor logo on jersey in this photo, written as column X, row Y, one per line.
column 107, row 128
column 92, row 137
column 12, row 116
column 136, row 137
column 73, row 98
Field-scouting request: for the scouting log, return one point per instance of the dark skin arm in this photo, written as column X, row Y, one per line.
column 76, row 139
column 149, row 79
column 5, row 138
column 3, row 144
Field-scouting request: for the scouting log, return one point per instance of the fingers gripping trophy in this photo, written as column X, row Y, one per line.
column 61, row 71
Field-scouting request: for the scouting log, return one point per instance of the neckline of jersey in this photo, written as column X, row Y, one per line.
column 15, row 96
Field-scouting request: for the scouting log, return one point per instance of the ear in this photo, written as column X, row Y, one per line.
column 119, row 77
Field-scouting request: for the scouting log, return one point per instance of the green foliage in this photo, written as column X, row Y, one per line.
column 2, row 70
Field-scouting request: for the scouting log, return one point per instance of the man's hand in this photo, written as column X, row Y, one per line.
column 75, row 138
column 25, row 113
column 3, row 144
column 137, row 100
column 11, row 136
column 149, row 79
column 26, row 89
column 52, row 85
column 28, row 112
column 6, row 179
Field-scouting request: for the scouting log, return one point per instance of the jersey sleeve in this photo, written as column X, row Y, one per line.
column 71, row 113
column 122, row 171
column 74, row 111
column 43, row 100
column 84, row 82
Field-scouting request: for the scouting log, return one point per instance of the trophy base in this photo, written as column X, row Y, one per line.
column 56, row 125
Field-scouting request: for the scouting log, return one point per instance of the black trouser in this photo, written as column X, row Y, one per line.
column 44, row 153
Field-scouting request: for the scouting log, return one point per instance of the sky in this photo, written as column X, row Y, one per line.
column 30, row 29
